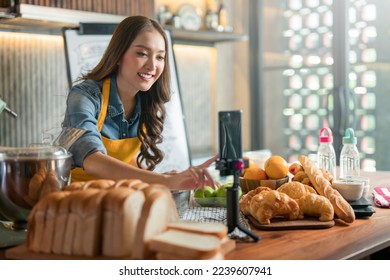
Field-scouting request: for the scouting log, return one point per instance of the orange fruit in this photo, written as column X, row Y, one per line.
column 276, row 167
column 250, row 162
column 254, row 172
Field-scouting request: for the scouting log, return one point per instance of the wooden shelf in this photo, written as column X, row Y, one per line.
column 203, row 37
column 48, row 20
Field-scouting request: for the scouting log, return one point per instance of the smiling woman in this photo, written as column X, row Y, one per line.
column 121, row 105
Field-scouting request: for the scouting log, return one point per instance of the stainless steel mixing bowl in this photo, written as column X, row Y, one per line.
column 23, row 172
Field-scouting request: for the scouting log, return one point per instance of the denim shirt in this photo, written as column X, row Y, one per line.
column 83, row 109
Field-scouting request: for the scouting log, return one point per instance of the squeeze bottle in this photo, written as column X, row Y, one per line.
column 326, row 155
column 349, row 156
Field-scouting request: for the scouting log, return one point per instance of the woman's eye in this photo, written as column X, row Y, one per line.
column 160, row 58
column 142, row 54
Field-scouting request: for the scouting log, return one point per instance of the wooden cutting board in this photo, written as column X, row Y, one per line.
column 22, row 253
column 283, row 224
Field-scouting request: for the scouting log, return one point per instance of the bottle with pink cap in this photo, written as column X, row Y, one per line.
column 326, row 155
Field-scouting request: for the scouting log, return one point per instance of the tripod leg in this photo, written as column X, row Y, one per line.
column 233, row 212
column 249, row 233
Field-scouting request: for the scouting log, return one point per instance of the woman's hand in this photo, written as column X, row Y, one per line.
column 194, row 177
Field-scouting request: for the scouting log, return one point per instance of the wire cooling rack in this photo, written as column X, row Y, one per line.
column 214, row 215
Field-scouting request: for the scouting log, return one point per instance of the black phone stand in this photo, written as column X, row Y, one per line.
column 234, row 167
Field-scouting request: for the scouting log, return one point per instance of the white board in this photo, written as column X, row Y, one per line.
column 83, row 52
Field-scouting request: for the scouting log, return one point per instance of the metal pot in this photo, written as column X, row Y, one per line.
column 23, row 172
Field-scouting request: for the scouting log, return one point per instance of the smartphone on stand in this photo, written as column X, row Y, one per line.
column 231, row 163
column 230, row 140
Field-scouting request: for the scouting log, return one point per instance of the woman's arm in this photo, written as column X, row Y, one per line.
column 99, row 165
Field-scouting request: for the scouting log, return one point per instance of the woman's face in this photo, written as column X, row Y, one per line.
column 142, row 63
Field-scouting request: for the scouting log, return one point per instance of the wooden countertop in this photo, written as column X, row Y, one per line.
column 357, row 240
column 343, row 241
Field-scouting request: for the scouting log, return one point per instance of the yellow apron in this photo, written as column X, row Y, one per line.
column 123, row 149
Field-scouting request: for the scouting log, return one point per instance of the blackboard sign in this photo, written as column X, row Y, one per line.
column 84, row 46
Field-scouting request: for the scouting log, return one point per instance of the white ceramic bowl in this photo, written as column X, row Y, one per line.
column 350, row 190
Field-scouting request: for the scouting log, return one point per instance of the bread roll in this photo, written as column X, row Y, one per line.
column 341, row 207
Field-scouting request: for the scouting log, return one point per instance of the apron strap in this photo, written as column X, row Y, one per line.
column 104, row 107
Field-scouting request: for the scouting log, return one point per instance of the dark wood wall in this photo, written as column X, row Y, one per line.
column 116, row 7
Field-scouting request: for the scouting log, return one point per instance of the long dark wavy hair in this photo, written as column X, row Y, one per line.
column 153, row 111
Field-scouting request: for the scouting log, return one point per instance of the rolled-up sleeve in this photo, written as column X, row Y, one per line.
column 83, row 107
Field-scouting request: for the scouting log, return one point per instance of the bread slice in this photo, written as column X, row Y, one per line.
column 87, row 234
column 75, row 186
column 157, row 212
column 121, row 211
column 139, row 186
column 74, row 224
column 99, row 184
column 36, row 225
column 217, row 229
column 61, row 222
column 50, row 220
column 174, row 214
column 187, row 244
column 128, row 183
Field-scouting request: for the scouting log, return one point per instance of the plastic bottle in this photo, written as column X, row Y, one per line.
column 326, row 155
column 349, row 156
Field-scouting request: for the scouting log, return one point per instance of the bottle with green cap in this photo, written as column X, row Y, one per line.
column 349, row 156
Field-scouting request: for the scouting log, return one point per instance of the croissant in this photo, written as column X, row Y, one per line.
column 317, row 206
column 295, row 189
column 245, row 199
column 273, row 204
